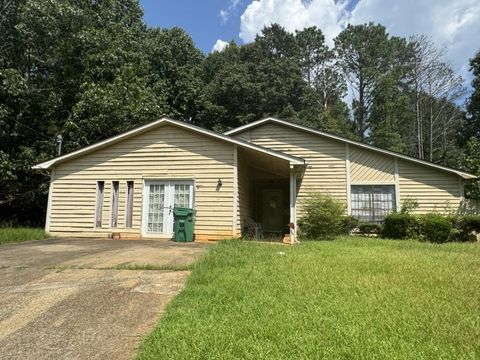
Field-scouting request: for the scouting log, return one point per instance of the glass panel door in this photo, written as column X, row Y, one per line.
column 160, row 197
column 156, row 208
column 182, row 195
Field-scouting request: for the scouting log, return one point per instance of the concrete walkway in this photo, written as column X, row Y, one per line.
column 66, row 298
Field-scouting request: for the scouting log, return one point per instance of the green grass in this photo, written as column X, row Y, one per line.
column 19, row 234
column 352, row 298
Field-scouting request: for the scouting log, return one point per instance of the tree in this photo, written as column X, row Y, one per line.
column 84, row 70
column 472, row 127
column 362, row 53
column 472, row 164
column 175, row 66
column 323, row 107
column 390, row 114
column 255, row 80
column 436, row 88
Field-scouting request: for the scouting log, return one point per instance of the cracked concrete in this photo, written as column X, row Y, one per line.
column 58, row 301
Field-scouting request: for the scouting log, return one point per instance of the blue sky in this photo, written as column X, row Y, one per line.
column 200, row 18
column 454, row 24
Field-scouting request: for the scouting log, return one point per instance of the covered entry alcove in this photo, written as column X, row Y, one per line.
column 265, row 194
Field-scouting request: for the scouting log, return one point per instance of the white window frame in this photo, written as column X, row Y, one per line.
column 129, row 205
column 114, row 203
column 372, row 185
column 99, row 200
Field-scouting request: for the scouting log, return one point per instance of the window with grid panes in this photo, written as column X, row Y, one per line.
column 182, row 195
column 371, row 203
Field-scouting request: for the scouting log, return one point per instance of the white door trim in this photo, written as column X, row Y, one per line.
column 168, row 204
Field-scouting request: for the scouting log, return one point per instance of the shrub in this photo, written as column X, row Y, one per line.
column 471, row 223
column 431, row 227
column 324, row 217
column 399, row 226
column 349, row 223
column 369, row 229
column 408, row 205
column 435, row 228
column 467, row 227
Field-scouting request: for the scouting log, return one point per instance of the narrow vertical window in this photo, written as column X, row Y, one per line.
column 129, row 205
column 99, row 208
column 114, row 208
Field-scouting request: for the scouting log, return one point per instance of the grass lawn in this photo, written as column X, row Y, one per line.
column 18, row 234
column 351, row 298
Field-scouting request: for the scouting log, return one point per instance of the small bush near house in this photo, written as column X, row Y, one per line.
column 467, row 227
column 435, row 228
column 399, row 226
column 369, row 229
column 349, row 224
column 408, row 205
column 427, row 227
column 324, row 217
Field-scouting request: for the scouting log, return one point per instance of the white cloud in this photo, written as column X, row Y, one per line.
column 220, row 45
column 293, row 14
column 232, row 7
column 223, row 16
column 453, row 23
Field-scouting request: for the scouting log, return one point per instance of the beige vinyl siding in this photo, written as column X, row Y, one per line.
column 370, row 167
column 326, row 158
column 167, row 152
column 435, row 190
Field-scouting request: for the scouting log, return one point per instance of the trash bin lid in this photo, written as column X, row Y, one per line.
column 181, row 211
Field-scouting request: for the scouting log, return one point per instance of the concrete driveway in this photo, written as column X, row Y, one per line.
column 72, row 299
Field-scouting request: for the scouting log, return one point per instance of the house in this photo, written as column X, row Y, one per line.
column 260, row 172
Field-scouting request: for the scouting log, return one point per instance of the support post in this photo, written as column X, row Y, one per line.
column 49, row 203
column 347, row 179
column 293, row 206
column 397, row 184
column 235, row 192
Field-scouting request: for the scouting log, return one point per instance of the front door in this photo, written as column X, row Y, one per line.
column 159, row 199
column 272, row 210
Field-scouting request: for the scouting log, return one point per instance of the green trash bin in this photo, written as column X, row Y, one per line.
column 184, row 219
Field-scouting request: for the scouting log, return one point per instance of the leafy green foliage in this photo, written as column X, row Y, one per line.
column 432, row 227
column 369, row 229
column 398, row 226
column 472, row 164
column 435, row 228
column 324, row 217
column 473, row 104
column 467, row 227
column 408, row 205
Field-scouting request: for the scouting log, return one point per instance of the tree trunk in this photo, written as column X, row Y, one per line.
column 361, row 105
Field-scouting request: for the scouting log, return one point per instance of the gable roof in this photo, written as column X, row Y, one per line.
column 260, row 122
column 163, row 121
